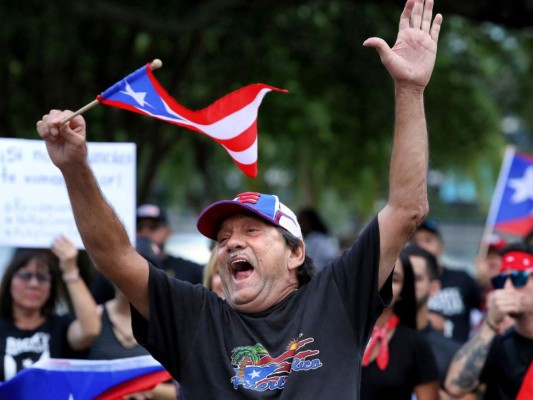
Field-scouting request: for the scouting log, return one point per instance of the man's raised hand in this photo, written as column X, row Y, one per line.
column 411, row 60
column 65, row 142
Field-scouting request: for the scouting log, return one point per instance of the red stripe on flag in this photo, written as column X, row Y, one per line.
column 248, row 169
column 519, row 227
column 139, row 384
column 241, row 142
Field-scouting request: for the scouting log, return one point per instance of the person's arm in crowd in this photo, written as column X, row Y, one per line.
column 427, row 391
column 86, row 327
column 163, row 391
column 410, row 63
column 103, row 234
column 467, row 364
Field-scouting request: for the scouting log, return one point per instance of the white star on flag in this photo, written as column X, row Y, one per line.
column 137, row 96
column 254, row 374
column 523, row 187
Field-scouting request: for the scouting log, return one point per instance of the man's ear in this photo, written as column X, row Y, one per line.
column 434, row 287
column 297, row 257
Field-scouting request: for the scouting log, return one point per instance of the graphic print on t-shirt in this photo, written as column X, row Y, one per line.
column 256, row 370
column 23, row 352
column 448, row 301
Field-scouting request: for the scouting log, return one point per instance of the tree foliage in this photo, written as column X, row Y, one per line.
column 326, row 143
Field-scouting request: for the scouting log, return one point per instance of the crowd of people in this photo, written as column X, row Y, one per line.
column 407, row 353
column 280, row 311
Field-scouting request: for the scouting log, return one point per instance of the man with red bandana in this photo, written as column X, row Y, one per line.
column 279, row 333
column 503, row 363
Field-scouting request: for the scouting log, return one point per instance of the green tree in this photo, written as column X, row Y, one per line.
column 324, row 144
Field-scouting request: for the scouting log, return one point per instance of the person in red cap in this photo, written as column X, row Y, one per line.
column 279, row 333
column 503, row 363
column 488, row 265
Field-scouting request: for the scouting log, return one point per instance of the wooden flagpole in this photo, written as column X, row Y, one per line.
column 157, row 63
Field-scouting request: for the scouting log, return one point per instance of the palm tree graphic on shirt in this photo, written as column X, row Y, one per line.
column 256, row 369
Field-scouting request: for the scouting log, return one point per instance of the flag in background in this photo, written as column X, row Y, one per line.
column 511, row 209
column 64, row 379
column 231, row 120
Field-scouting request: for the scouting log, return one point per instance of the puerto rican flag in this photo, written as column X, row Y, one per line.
column 511, row 209
column 231, row 120
column 65, row 379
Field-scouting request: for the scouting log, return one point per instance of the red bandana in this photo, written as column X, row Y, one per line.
column 516, row 261
column 380, row 335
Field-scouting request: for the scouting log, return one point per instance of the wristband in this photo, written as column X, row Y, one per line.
column 490, row 325
column 71, row 276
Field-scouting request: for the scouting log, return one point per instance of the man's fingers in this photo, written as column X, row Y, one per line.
column 49, row 126
column 435, row 28
column 379, row 44
column 44, row 131
column 427, row 16
column 416, row 14
column 506, row 302
column 63, row 115
column 406, row 14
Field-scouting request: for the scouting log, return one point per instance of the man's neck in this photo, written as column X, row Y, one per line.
column 524, row 325
column 422, row 319
column 27, row 319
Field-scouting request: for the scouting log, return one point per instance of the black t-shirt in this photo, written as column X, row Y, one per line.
column 308, row 346
column 507, row 362
column 443, row 349
column 458, row 296
column 21, row 348
column 411, row 363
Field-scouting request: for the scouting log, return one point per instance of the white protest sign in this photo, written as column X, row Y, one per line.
column 34, row 205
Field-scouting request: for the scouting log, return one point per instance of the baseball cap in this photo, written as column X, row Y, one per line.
column 152, row 211
column 265, row 206
column 429, row 225
column 495, row 242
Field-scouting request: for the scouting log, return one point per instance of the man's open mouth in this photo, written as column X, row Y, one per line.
column 241, row 269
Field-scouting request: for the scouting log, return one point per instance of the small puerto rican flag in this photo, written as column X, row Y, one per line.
column 511, row 209
column 231, row 121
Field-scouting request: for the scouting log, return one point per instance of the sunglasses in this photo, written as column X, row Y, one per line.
column 518, row 279
column 27, row 276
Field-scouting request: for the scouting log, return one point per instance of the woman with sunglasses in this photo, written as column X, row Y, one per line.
column 502, row 363
column 30, row 328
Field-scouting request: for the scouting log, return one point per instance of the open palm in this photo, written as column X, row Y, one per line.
column 412, row 58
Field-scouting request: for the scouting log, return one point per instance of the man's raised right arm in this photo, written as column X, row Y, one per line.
column 103, row 234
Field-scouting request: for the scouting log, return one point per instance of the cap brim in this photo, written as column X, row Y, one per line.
column 427, row 228
column 212, row 217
